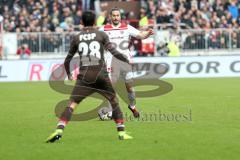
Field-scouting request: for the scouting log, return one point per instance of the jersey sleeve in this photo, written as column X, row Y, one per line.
column 106, row 40
column 72, row 51
column 133, row 31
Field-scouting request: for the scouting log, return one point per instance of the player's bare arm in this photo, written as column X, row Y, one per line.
column 145, row 34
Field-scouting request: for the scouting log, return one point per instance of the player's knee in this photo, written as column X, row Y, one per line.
column 130, row 90
column 75, row 99
column 129, row 86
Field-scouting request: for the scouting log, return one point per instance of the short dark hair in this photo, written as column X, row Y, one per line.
column 88, row 18
column 115, row 9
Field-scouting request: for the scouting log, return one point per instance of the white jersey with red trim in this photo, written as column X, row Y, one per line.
column 120, row 37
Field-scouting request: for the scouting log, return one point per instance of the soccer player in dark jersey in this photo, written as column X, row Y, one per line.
column 90, row 45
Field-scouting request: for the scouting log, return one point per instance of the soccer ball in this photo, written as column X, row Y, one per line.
column 105, row 113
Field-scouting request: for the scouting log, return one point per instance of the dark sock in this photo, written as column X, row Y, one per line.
column 65, row 118
column 117, row 115
column 120, row 125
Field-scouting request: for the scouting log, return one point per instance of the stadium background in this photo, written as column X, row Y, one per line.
column 198, row 40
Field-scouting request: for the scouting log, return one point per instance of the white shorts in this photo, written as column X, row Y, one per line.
column 118, row 70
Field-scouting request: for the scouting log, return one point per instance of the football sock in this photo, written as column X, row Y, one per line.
column 120, row 125
column 65, row 118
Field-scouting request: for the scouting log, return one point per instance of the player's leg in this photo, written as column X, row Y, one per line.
column 130, row 89
column 127, row 76
column 113, row 71
column 79, row 92
column 118, row 118
column 64, row 119
column 132, row 99
column 117, row 115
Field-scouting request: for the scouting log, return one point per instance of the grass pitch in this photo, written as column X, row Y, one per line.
column 207, row 126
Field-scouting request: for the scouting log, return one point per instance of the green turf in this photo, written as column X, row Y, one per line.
column 211, row 132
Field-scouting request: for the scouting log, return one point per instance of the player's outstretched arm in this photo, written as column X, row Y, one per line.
column 145, row 34
column 71, row 53
column 139, row 34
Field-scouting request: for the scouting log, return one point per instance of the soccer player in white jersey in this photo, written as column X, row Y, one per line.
column 120, row 34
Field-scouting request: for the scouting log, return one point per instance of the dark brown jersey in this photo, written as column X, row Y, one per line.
column 90, row 45
column 93, row 77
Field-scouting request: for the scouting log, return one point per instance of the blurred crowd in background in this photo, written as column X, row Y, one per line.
column 60, row 16
column 40, row 15
column 195, row 14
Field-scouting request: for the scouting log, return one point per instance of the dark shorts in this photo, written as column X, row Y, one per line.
column 90, row 80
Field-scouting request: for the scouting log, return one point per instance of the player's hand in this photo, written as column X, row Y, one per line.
column 70, row 77
column 150, row 32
